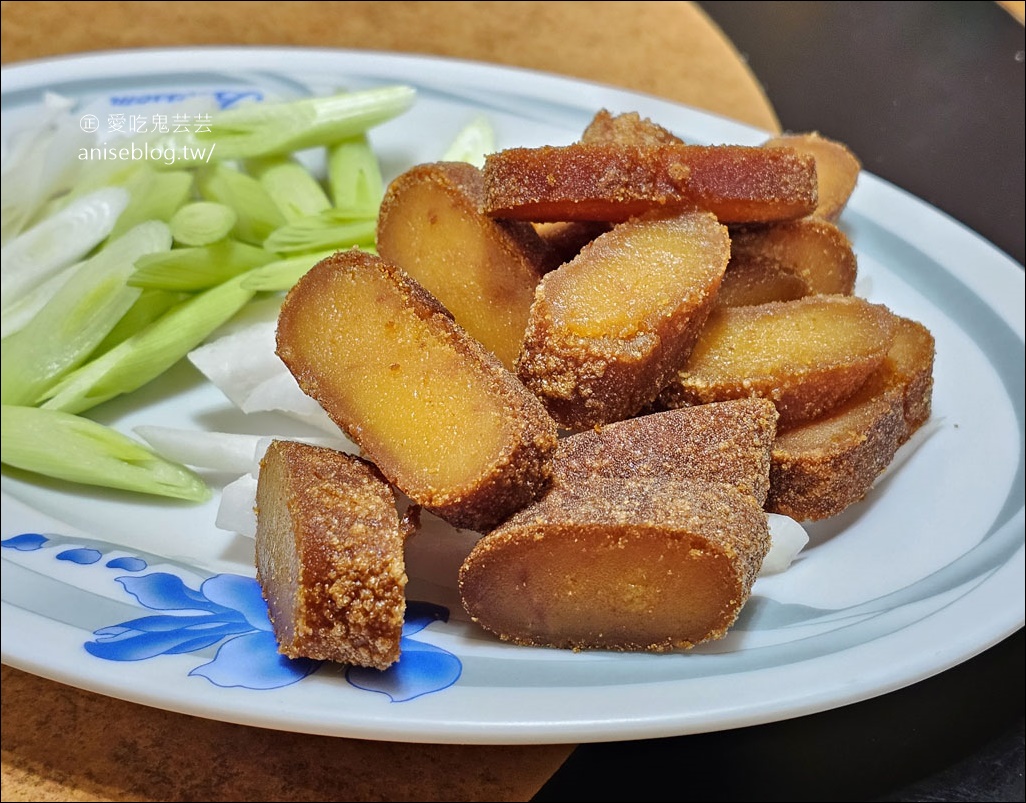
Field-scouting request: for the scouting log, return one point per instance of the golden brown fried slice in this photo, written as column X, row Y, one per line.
column 430, row 406
column 628, row 128
column 601, row 182
column 825, row 465
column 483, row 271
column 618, row 564
column 329, row 556
column 836, row 166
column 821, row 467
column 564, row 240
column 815, row 250
column 758, row 280
column 614, row 182
column 610, row 328
column 909, row 366
column 727, row 442
column 806, row 355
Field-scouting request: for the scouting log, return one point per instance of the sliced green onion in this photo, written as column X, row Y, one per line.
column 58, row 241
column 473, row 143
column 328, row 230
column 68, row 447
column 256, row 212
column 202, row 223
column 197, row 268
column 18, row 314
column 77, row 318
column 291, row 186
column 156, row 195
column 149, row 306
column 273, row 129
column 354, row 177
column 282, row 274
column 148, row 353
column 41, row 161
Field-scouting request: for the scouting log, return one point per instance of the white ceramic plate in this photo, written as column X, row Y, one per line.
column 148, row 601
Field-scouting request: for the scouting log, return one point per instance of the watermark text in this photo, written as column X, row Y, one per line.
column 191, row 154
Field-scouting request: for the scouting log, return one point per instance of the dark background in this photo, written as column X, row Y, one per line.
column 930, row 95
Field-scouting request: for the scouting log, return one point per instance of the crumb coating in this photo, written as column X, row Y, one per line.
column 434, row 410
column 329, row 556
column 619, row 564
column 613, row 182
column 727, row 442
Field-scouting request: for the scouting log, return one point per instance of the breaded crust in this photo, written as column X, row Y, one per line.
column 909, row 366
column 806, row 355
column 426, row 402
column 627, row 128
column 837, row 169
column 820, row 468
column 610, row 328
column 724, row 442
column 615, row 182
column 815, row 250
column 565, row 239
column 482, row 270
column 329, row 556
column 618, row 564
column 758, row 280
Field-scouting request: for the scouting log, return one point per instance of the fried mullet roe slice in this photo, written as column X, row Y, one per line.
column 758, row 280
column 484, row 271
column 723, row 442
column 613, row 182
column 806, row 355
column 628, row 128
column 820, row 468
column 814, row 250
column 909, row 366
column 837, row 169
column 426, row 402
column 329, row 556
column 618, row 564
column 610, row 328
column 564, row 239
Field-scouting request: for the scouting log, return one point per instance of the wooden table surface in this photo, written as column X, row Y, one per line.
column 61, row 743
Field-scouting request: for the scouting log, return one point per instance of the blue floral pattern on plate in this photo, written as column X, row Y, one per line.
column 229, row 610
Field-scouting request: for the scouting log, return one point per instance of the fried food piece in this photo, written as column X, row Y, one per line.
column 628, row 128
column 601, row 182
column 815, row 250
column 909, row 366
column 610, row 328
column 618, row 564
column 820, row 468
column 806, row 355
column 566, row 238
column 563, row 240
column 427, row 403
column 837, row 169
column 724, row 442
column 615, row 182
column 484, row 271
column 825, row 465
column 329, row 556
column 757, row 280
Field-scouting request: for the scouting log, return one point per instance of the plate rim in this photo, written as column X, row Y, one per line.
column 994, row 286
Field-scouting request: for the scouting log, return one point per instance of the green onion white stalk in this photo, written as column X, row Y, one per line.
column 114, row 274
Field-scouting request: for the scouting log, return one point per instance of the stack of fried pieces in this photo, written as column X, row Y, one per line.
column 611, row 359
